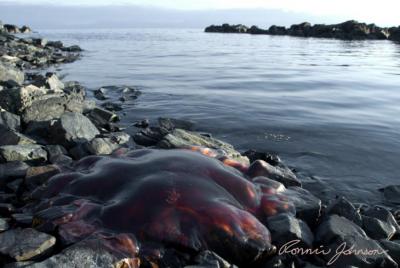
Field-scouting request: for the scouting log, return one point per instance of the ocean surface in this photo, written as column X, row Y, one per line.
column 329, row 108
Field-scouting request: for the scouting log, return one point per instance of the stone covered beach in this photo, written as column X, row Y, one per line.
column 78, row 191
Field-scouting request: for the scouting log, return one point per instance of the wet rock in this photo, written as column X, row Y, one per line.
column 55, row 44
column 73, row 128
column 11, row 137
column 23, row 220
column 36, row 176
column 149, row 136
column 281, row 174
column 8, row 72
column 142, row 124
column 180, row 138
column 50, row 81
column 53, row 151
column 15, row 185
column 342, row 207
column 277, row 30
column 17, row 99
column 286, row 228
column 271, row 159
column 102, row 118
column 6, row 209
column 209, row 259
column 88, row 254
column 3, row 225
column 393, row 249
column 308, row 207
column 73, row 48
column 172, row 123
column 27, row 152
column 377, row 229
column 120, row 138
column 112, row 106
column 10, row 28
column 9, row 120
column 38, row 131
column 392, row 193
column 12, row 170
column 79, row 151
column 25, row 29
column 101, row 93
column 338, row 233
column 25, row 244
column 226, row 28
column 102, row 146
column 383, row 215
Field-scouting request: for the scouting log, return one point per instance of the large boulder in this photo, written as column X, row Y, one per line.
column 73, row 128
column 180, row 138
column 342, row 207
column 9, row 72
column 26, row 152
column 25, row 244
column 282, row 174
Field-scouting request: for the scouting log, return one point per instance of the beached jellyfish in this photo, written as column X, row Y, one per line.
column 178, row 198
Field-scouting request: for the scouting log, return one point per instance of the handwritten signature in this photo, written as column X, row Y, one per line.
column 292, row 248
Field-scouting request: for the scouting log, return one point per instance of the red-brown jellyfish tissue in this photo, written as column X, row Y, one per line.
column 178, row 198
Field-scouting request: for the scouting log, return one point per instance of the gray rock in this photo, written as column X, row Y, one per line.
column 101, row 94
column 338, row 234
column 15, row 185
column 73, row 128
column 393, row 249
column 50, row 82
column 101, row 117
column 3, row 225
column 285, row 228
column 308, row 207
column 383, row 215
column 25, row 244
column 11, row 137
column 12, row 170
column 172, row 123
column 342, row 207
column 53, row 151
column 102, row 146
column 88, row 254
column 8, row 72
column 79, row 151
column 281, row 174
column 27, row 152
column 11, row 121
column 16, row 100
column 392, row 193
column 377, row 229
column 180, row 138
column 209, row 259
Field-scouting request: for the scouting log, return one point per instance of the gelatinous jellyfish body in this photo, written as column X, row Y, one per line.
column 178, row 198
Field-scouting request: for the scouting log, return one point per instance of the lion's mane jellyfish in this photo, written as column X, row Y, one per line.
column 185, row 199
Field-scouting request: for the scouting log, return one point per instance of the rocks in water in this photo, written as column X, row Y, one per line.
column 308, row 207
column 342, row 207
column 180, row 138
column 10, row 28
column 172, row 123
column 286, row 228
column 73, row 128
column 380, row 222
column 111, row 106
column 101, row 94
column 145, row 123
column 25, row 29
column 271, row 159
column 348, row 30
column 26, row 152
column 25, row 244
column 281, row 174
column 9, row 120
column 339, row 234
column 102, row 146
column 10, row 73
column 50, row 81
column 103, row 118
column 392, row 193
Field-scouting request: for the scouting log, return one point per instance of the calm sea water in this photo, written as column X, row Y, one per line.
column 329, row 108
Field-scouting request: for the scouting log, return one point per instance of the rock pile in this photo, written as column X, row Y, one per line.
column 349, row 30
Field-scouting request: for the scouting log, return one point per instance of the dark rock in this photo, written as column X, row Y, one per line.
column 25, row 29
column 338, row 233
column 277, row 30
column 36, row 176
column 383, row 215
column 209, row 259
column 393, row 249
column 15, row 185
column 12, row 170
column 73, row 128
column 11, row 137
column 286, row 228
column 102, row 118
column 11, row 28
column 342, row 207
column 38, row 131
column 142, row 124
column 80, row 151
column 26, row 152
column 302, row 29
column 172, row 123
column 24, row 220
column 392, row 193
column 149, row 136
column 377, row 229
column 55, row 44
column 73, row 48
column 25, row 244
column 6, row 209
column 271, row 159
column 41, row 42
column 50, row 82
column 53, row 151
column 226, row 28
column 101, row 94
column 308, row 207
column 255, row 30
column 111, row 106
column 281, row 174
column 9, row 120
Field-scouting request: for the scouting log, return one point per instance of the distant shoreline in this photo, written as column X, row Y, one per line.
column 349, row 30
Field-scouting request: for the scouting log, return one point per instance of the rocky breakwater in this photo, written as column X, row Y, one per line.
column 13, row 29
column 349, row 30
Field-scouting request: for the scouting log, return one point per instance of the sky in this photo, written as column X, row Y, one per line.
column 382, row 12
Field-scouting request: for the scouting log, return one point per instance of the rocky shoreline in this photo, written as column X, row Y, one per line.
column 349, row 30
column 64, row 199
